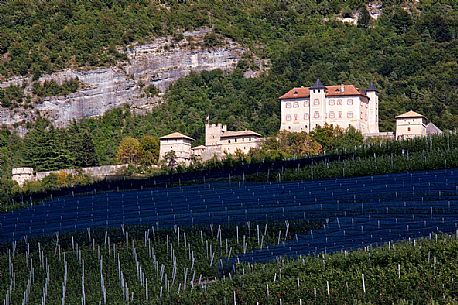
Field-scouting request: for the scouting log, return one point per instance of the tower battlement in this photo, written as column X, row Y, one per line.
column 213, row 133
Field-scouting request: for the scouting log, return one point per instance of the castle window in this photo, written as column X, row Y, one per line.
column 306, row 103
column 331, row 114
column 306, row 116
column 306, row 126
column 350, row 114
column 316, row 102
column 339, row 102
column 288, row 117
column 408, row 128
column 296, row 105
column 316, row 115
column 295, row 117
column 332, row 102
column 340, row 114
column 288, row 105
column 349, row 102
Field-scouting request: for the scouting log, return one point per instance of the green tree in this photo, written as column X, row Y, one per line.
column 44, row 148
column 150, row 147
column 287, row 144
column 170, row 160
column 81, row 144
column 364, row 19
column 350, row 139
column 129, row 151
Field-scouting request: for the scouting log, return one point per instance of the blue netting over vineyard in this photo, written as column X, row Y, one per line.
column 358, row 211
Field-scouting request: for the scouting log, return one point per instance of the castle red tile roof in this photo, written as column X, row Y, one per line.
column 303, row 92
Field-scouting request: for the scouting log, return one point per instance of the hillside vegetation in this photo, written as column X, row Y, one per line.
column 410, row 53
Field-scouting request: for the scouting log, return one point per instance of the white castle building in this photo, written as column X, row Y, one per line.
column 218, row 142
column 304, row 108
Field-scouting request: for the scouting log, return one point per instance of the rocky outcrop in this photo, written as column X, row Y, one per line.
column 159, row 63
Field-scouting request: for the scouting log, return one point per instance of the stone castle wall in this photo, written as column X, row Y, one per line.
column 23, row 175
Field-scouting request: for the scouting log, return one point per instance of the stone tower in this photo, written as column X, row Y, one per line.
column 213, row 133
column 372, row 93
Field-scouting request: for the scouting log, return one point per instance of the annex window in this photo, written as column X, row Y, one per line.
column 350, row 114
column 288, row 117
column 306, row 116
column 332, row 102
column 296, row 105
column 295, row 117
column 288, row 105
column 339, row 102
column 331, row 114
column 316, row 101
column 408, row 128
column 306, row 103
column 340, row 114
column 349, row 102
column 316, row 115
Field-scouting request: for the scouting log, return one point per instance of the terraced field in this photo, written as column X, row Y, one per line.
column 223, row 242
column 357, row 211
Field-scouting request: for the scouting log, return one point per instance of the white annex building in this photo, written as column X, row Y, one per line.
column 304, row 108
column 218, row 142
column 411, row 125
column 180, row 144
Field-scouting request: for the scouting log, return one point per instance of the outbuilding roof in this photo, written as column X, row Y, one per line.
column 199, row 147
column 176, row 135
column 233, row 134
column 432, row 129
column 410, row 114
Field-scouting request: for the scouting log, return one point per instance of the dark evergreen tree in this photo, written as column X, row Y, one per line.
column 364, row 19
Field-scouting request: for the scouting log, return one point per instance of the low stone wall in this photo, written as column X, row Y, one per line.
column 23, row 175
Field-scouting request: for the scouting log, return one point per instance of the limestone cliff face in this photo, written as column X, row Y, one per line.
column 159, row 63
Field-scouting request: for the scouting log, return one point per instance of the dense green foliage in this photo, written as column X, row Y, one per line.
column 12, row 96
column 411, row 55
column 48, row 148
column 181, row 267
column 52, row 88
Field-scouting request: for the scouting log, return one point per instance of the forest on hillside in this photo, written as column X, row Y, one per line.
column 410, row 53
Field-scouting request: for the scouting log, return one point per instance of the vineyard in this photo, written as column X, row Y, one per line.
column 238, row 241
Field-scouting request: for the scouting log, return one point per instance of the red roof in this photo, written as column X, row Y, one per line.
column 301, row 92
